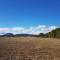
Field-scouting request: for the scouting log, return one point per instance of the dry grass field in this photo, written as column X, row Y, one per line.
column 29, row 48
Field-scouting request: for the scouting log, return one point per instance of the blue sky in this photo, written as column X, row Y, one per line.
column 26, row 13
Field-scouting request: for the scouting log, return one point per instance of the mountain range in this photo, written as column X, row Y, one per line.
column 53, row 34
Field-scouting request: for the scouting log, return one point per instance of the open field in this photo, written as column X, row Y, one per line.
column 29, row 48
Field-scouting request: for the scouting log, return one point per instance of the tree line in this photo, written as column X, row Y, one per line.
column 53, row 34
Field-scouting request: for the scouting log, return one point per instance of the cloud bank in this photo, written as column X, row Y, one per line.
column 31, row 30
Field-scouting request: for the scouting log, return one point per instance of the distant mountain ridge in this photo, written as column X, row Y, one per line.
column 17, row 35
column 53, row 34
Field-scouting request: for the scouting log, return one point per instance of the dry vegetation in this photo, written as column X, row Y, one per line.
column 29, row 48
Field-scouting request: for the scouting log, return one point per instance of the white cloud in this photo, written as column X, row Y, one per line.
column 31, row 30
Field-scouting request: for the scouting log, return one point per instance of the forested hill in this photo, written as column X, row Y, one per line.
column 54, row 33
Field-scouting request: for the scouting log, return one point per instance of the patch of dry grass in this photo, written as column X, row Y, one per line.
column 29, row 48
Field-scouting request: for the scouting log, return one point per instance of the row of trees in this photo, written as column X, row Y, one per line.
column 53, row 34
